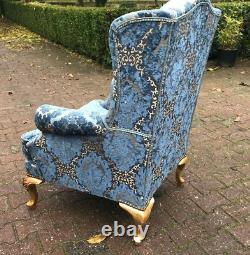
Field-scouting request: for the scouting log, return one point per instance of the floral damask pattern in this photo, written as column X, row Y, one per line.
column 123, row 148
column 132, row 56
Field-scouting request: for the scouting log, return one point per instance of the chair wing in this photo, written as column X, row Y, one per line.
column 138, row 50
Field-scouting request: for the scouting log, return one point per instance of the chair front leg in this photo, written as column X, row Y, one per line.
column 139, row 217
column 181, row 166
column 30, row 184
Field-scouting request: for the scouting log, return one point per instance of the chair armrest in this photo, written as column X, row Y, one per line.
column 63, row 121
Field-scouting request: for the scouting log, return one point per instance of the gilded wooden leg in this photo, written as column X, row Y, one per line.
column 140, row 218
column 179, row 179
column 30, row 184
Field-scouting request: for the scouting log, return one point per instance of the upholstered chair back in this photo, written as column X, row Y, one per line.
column 159, row 57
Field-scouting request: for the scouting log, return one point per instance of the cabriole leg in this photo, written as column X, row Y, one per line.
column 140, row 218
column 30, row 184
column 179, row 179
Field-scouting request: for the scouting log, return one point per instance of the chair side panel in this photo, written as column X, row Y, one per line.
column 111, row 166
column 127, row 155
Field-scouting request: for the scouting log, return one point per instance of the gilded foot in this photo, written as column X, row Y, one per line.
column 30, row 184
column 140, row 218
column 179, row 179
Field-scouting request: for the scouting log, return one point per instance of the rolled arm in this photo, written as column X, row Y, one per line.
column 63, row 121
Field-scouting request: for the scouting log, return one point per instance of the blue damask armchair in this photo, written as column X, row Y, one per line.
column 122, row 148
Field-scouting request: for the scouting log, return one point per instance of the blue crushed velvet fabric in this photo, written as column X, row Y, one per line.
column 124, row 147
column 88, row 120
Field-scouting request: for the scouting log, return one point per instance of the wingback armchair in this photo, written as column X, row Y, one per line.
column 122, row 148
